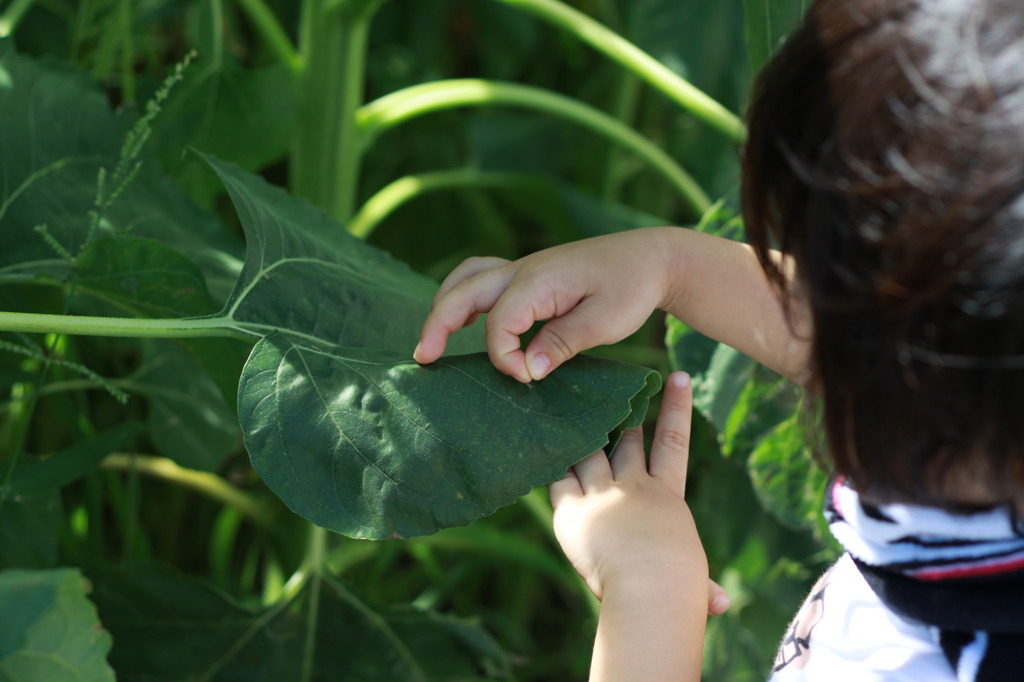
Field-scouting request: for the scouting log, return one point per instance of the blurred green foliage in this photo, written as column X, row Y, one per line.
column 267, row 90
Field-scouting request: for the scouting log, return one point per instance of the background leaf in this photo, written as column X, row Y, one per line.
column 768, row 23
column 50, row 630
column 34, row 477
column 189, row 420
column 372, row 445
column 49, row 171
column 30, row 531
column 788, row 481
column 215, row 638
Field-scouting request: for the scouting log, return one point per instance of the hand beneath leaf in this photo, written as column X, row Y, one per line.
column 621, row 520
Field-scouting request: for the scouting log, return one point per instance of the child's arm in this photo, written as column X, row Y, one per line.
column 599, row 291
column 626, row 529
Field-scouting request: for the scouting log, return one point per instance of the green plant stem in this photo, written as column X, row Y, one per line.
column 21, row 436
column 624, row 108
column 12, row 16
column 208, row 484
column 315, row 554
column 127, row 51
column 636, row 60
column 390, row 110
column 81, row 325
column 388, row 199
column 273, row 34
column 325, row 155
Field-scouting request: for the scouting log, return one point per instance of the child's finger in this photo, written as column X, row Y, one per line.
column 530, row 299
column 468, row 268
column 564, row 489
column 577, row 324
column 459, row 305
column 670, row 450
column 628, row 458
column 594, row 472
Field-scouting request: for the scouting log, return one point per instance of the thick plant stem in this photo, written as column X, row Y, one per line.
column 645, row 66
column 325, row 156
column 387, row 200
column 390, row 110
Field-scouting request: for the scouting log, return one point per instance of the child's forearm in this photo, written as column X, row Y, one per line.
column 651, row 631
column 717, row 286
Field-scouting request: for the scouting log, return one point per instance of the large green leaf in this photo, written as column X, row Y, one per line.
column 372, row 445
column 49, row 630
column 217, row 639
column 768, row 24
column 305, row 276
column 352, row 434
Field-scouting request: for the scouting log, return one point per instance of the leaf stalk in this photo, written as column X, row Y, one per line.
column 12, row 16
column 418, row 100
column 392, row 196
column 273, row 34
column 645, row 66
column 208, row 484
column 80, row 325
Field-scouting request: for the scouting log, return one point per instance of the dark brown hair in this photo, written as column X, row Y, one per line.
column 886, row 158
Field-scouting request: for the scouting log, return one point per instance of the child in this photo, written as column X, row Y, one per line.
column 885, row 162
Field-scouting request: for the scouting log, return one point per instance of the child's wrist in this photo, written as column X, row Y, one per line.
column 671, row 255
column 637, row 579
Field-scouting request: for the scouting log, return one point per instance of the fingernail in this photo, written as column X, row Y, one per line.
column 416, row 351
column 680, row 379
column 721, row 602
column 538, row 365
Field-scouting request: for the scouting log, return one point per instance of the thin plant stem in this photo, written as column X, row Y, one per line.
column 614, row 46
column 418, row 100
column 413, row 671
column 208, row 484
column 273, row 34
column 21, row 436
column 392, row 196
column 127, row 52
column 13, row 15
column 315, row 554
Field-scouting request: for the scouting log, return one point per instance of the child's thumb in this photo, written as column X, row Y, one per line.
column 564, row 337
column 718, row 599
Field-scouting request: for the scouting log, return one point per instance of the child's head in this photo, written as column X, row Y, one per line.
column 886, row 156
